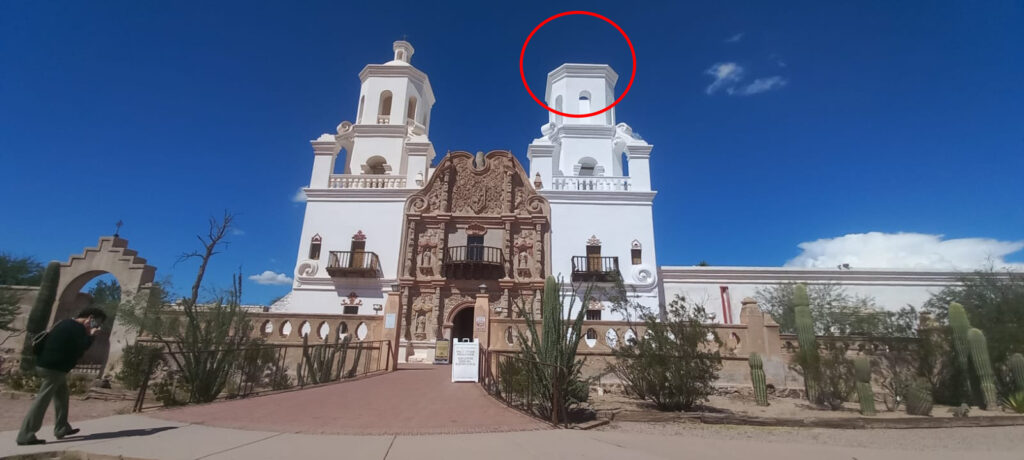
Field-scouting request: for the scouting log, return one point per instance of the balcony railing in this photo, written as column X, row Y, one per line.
column 599, row 183
column 366, row 181
column 474, row 262
column 595, row 268
column 354, row 264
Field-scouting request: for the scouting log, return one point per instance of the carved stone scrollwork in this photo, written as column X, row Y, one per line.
column 307, row 268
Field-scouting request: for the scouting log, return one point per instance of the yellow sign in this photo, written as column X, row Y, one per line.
column 441, row 351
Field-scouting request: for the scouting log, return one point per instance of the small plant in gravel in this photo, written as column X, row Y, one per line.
column 962, row 411
column 1014, row 402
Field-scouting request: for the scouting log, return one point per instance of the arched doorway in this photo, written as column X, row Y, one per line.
column 462, row 324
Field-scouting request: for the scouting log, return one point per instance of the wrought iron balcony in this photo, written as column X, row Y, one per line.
column 474, row 262
column 594, row 268
column 354, row 264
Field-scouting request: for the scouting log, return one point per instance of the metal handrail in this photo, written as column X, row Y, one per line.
column 364, row 262
column 595, row 264
column 474, row 254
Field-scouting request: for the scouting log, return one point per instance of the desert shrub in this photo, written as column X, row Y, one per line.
column 937, row 363
column 18, row 380
column 79, row 384
column 171, row 390
column 894, row 368
column 136, row 363
column 675, row 363
column 277, row 377
column 836, row 373
column 1014, row 402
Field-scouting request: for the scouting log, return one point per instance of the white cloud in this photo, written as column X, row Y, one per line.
column 726, row 75
column 237, row 232
column 270, row 278
column 300, row 196
column 734, row 38
column 906, row 250
column 759, row 85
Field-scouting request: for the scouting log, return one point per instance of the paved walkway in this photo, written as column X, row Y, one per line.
column 138, row 437
column 414, row 400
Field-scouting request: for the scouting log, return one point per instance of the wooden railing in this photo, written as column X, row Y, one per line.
column 354, row 264
column 474, row 262
column 594, row 268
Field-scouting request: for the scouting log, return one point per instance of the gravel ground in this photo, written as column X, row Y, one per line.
column 994, row 439
column 14, row 406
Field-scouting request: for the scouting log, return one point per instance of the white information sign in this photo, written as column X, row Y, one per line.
column 389, row 321
column 466, row 361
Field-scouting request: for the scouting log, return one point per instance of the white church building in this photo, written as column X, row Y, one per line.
column 383, row 216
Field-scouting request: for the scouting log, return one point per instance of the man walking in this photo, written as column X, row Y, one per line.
column 65, row 344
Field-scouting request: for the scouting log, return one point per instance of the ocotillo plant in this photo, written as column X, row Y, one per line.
column 344, row 353
column 983, row 367
column 757, row 377
column 355, row 362
column 808, row 358
column 862, row 370
column 919, row 398
column 959, row 324
column 1016, row 364
column 39, row 316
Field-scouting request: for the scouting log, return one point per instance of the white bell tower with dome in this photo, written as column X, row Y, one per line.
column 596, row 175
column 348, row 249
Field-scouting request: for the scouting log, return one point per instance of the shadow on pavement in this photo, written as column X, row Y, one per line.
column 114, row 434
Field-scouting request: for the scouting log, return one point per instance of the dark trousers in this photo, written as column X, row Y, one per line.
column 55, row 387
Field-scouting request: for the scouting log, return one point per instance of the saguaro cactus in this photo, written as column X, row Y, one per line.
column 983, row 367
column 757, row 377
column 1016, row 364
column 39, row 316
column 959, row 324
column 862, row 368
column 809, row 358
column 919, row 398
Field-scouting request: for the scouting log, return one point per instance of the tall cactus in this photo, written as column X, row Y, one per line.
column 344, row 353
column 983, row 367
column 959, row 324
column 39, row 316
column 758, row 379
column 809, row 358
column 1016, row 364
column 919, row 397
column 862, row 368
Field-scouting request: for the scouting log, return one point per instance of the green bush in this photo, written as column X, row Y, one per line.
column 135, row 363
column 28, row 382
column 171, row 391
column 675, row 363
column 836, row 377
column 1014, row 402
column 39, row 316
column 79, row 384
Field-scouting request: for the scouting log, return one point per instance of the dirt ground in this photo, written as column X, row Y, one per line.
column 14, row 406
column 738, row 403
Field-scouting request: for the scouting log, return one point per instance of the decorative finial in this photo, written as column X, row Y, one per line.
column 117, row 230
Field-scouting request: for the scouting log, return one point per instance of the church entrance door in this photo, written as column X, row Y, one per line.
column 462, row 324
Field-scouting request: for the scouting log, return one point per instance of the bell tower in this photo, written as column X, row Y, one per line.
column 596, row 175
column 348, row 249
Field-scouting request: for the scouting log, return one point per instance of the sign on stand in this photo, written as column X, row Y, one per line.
column 466, row 360
column 442, row 349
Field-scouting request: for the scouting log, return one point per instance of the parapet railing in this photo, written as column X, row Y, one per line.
column 507, row 377
column 361, row 181
column 597, row 183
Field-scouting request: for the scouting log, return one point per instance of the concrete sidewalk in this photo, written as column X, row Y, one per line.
column 135, row 436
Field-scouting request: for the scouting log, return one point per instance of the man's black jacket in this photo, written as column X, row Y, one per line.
column 64, row 346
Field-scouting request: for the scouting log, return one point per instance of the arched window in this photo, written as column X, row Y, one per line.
column 401, row 55
column 314, row 247
column 359, row 114
column 584, row 105
column 385, row 107
column 410, row 113
column 376, row 165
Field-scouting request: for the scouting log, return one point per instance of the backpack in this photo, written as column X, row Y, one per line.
column 39, row 342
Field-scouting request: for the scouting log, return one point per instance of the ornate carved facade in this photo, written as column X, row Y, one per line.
column 478, row 225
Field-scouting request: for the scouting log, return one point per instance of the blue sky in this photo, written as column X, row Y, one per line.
column 833, row 120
